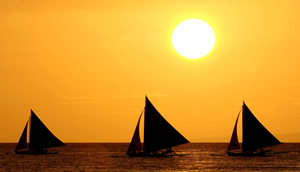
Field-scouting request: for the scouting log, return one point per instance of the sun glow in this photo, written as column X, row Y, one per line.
column 193, row 38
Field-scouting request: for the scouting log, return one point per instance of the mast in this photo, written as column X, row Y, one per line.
column 29, row 129
column 255, row 135
column 158, row 133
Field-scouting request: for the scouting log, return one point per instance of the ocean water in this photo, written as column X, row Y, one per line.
column 111, row 157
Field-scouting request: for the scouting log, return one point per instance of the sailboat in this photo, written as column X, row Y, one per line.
column 40, row 138
column 255, row 137
column 159, row 135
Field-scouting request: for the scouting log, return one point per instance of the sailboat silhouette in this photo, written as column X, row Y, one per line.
column 40, row 138
column 158, row 135
column 255, row 137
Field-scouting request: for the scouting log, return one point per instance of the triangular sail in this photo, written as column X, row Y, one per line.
column 234, row 142
column 255, row 135
column 40, row 136
column 135, row 144
column 22, row 144
column 158, row 133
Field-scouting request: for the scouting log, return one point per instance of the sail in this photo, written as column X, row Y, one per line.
column 22, row 144
column 135, row 144
column 234, row 142
column 40, row 136
column 158, row 133
column 255, row 135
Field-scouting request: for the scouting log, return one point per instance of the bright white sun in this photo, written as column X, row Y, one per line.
column 193, row 38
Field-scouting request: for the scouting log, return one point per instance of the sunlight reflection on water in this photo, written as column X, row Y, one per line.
column 111, row 157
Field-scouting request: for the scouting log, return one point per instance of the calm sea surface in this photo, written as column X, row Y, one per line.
column 111, row 157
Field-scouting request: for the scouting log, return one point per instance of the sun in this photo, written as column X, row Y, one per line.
column 193, row 38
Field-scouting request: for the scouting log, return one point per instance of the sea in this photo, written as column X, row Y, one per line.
column 112, row 157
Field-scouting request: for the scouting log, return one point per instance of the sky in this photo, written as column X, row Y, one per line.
column 84, row 67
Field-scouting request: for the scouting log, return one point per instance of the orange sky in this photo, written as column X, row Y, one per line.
column 84, row 67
